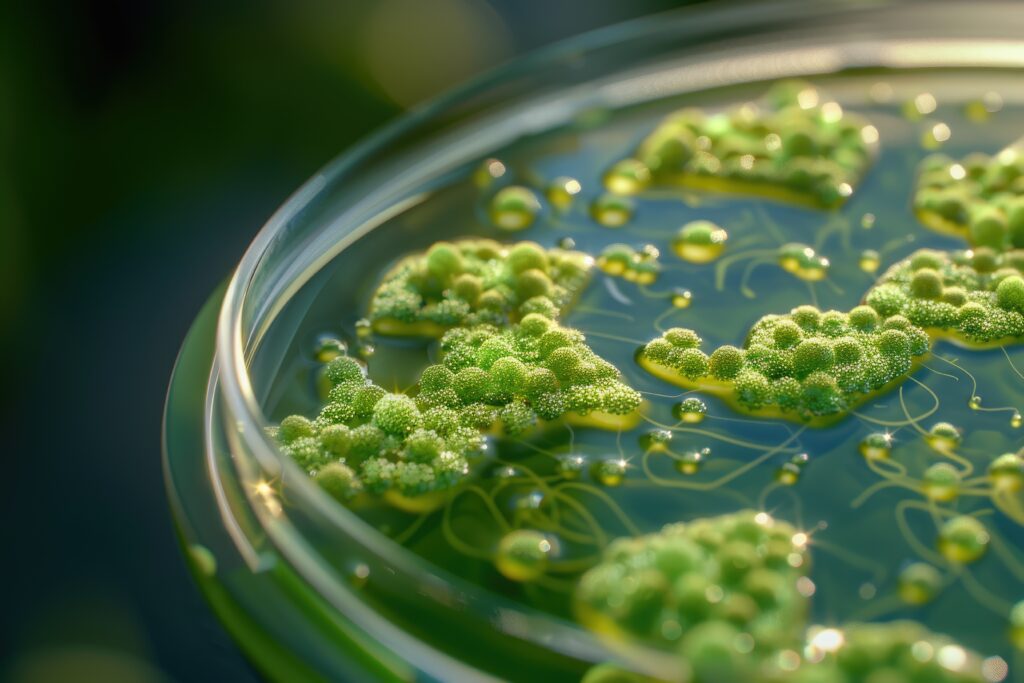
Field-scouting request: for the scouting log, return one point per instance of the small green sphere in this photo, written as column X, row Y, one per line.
column 919, row 583
column 725, row 363
column 444, row 261
column 423, row 445
column 1017, row 625
column 338, row 480
column 610, row 471
column 468, row 287
column 963, row 539
column 692, row 409
column 700, row 242
column 336, row 439
column 927, row 258
column 894, row 344
column 616, row 259
column 570, row 466
column 812, row 355
column 611, row 210
column 988, row 228
column 926, row 284
column 787, row 334
column 1007, row 472
column 1010, row 294
column 294, row 427
column 847, row 350
column 531, row 283
column 807, row 317
column 523, row 555
column 628, row 176
column 344, row 369
column 514, row 208
column 436, row 378
column 941, row 482
column 682, row 338
column 877, row 446
column 691, row 363
column 985, row 260
column 396, row 414
column 863, row 318
column 527, row 256
column 943, row 437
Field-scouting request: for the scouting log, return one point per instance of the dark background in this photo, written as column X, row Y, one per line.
column 142, row 145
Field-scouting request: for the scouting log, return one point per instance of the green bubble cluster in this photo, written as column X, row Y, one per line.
column 367, row 439
column 534, row 370
column 812, row 364
column 491, row 379
column 806, row 365
column 735, row 573
column 792, row 145
column 893, row 651
column 978, row 197
column 730, row 596
column 975, row 296
column 476, row 281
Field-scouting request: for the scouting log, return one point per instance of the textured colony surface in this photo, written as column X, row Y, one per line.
column 412, row 447
column 979, row 197
column 737, row 572
column 792, row 145
column 810, row 364
column 728, row 596
column 476, row 281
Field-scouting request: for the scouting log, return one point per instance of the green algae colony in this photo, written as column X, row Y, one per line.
column 538, row 444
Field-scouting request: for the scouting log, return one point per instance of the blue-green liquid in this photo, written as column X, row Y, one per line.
column 857, row 553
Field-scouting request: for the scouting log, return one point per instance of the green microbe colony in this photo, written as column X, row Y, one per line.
column 792, row 145
column 476, row 281
column 532, row 456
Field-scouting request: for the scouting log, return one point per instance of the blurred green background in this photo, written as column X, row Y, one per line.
column 142, row 145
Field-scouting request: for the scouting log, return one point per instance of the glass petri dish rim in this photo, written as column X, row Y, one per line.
column 912, row 36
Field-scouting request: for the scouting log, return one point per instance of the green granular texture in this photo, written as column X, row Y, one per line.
column 813, row 364
column 739, row 569
column 891, row 651
column 470, row 282
column 980, row 197
column 794, row 140
column 505, row 377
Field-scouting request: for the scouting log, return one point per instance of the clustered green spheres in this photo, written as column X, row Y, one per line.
column 478, row 281
column 976, row 296
column 980, row 197
column 724, row 594
column 491, row 378
column 622, row 260
column 367, row 439
column 807, row 364
column 811, row 364
column 894, row 651
column 794, row 144
column 736, row 572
